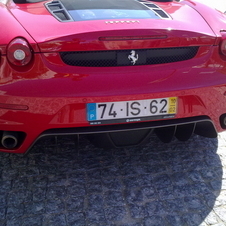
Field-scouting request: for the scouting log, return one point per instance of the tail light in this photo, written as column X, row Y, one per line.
column 223, row 43
column 122, row 38
column 19, row 52
column 223, row 47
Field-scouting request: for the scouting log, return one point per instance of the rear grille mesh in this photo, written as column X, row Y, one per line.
column 114, row 58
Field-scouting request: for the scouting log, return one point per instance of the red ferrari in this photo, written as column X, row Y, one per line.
column 114, row 70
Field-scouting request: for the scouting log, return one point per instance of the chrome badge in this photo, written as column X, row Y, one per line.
column 122, row 22
column 133, row 57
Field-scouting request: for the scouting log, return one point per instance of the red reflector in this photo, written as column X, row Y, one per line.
column 14, row 106
column 120, row 38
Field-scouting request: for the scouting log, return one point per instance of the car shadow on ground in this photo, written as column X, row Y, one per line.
column 155, row 184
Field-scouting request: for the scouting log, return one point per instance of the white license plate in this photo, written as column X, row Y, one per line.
column 131, row 110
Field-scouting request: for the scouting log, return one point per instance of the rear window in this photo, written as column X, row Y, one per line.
column 80, row 10
column 107, row 9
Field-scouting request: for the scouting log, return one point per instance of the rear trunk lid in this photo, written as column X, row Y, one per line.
column 83, row 25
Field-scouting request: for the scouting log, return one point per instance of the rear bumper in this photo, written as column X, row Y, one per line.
column 200, row 108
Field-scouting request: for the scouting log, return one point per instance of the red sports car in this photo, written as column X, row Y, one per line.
column 115, row 70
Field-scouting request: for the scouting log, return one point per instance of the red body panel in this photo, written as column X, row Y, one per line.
column 56, row 94
column 73, row 34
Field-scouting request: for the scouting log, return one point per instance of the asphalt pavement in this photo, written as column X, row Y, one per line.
column 58, row 184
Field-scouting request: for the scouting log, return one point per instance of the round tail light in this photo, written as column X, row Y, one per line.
column 19, row 52
column 223, row 47
column 223, row 43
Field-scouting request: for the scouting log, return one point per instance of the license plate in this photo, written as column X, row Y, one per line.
column 130, row 111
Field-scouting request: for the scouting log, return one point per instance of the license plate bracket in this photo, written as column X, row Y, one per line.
column 131, row 111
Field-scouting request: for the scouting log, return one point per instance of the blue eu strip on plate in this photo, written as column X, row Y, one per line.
column 92, row 115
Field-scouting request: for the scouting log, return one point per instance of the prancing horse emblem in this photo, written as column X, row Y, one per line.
column 133, row 57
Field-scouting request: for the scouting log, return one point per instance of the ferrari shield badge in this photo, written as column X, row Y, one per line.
column 133, row 57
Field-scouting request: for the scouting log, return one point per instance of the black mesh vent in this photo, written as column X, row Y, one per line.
column 116, row 58
column 62, row 16
column 150, row 5
column 53, row 7
column 57, row 9
column 161, row 13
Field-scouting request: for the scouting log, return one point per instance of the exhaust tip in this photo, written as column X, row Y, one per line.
column 223, row 121
column 9, row 139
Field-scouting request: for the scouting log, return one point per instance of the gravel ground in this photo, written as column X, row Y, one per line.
column 57, row 184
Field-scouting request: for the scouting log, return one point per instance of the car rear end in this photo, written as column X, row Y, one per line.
column 115, row 70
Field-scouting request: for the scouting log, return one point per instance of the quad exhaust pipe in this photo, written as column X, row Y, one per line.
column 9, row 139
